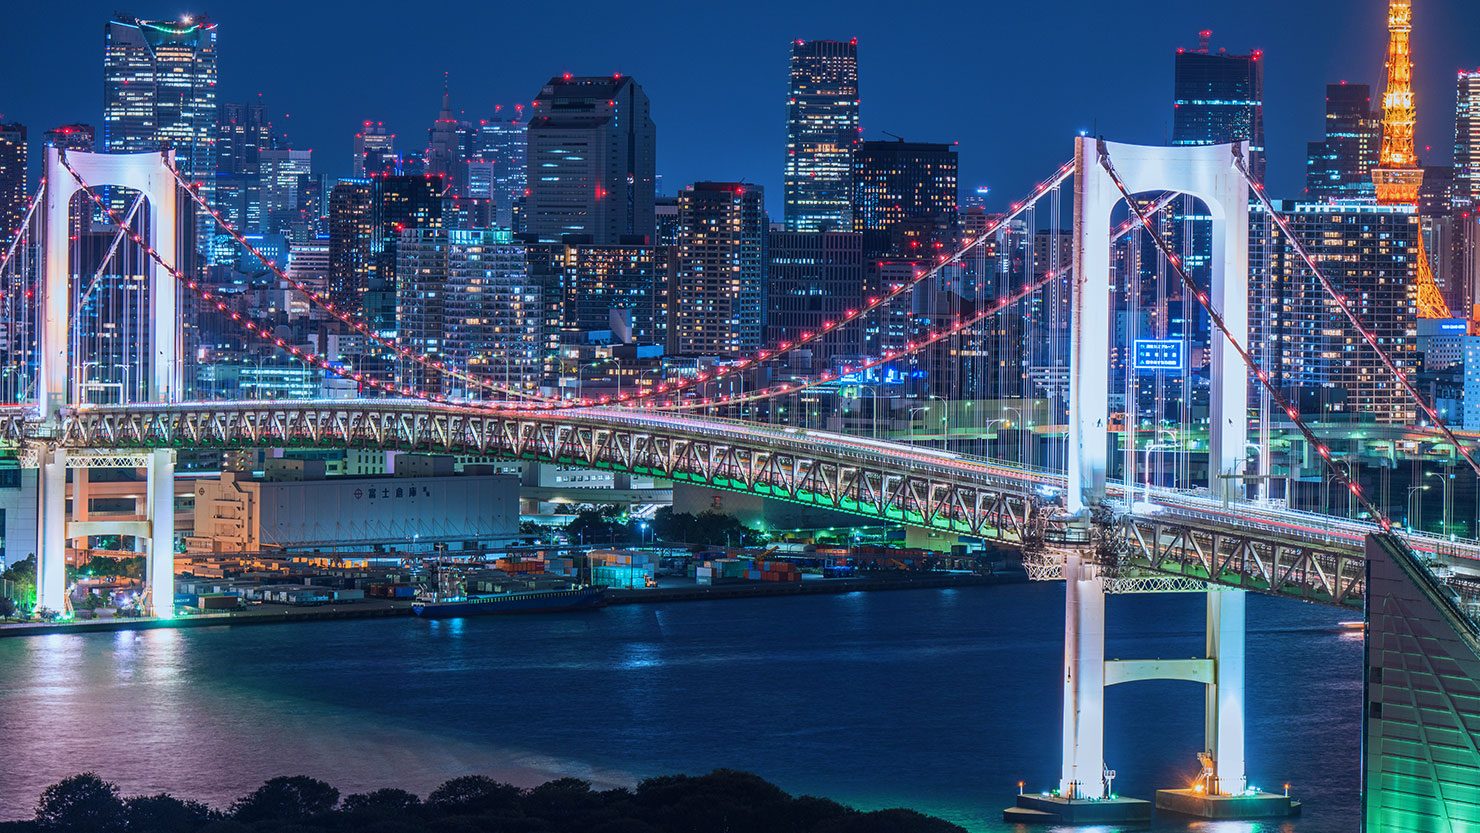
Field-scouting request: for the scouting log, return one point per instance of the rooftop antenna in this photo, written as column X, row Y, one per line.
column 1204, row 41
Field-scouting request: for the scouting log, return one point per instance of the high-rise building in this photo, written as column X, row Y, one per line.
column 464, row 296
column 13, row 182
column 1467, row 140
column 242, row 134
column 1368, row 252
column 1341, row 165
column 399, row 204
column 351, row 228
column 159, row 89
column 822, row 131
column 71, row 137
column 446, row 157
column 815, row 277
column 500, row 157
column 590, row 288
column 591, row 162
column 375, row 150
column 1220, row 98
column 284, row 175
column 897, row 181
column 720, row 270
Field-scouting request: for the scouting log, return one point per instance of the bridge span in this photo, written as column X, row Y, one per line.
column 1173, row 536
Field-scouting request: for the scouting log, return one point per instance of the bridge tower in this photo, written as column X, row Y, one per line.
column 1210, row 174
column 150, row 176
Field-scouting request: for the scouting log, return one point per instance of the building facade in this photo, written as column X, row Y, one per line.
column 816, row 277
column 1340, row 166
column 351, row 228
column 1467, row 140
column 375, row 150
column 13, row 178
column 501, row 165
column 822, row 131
column 719, row 283
column 1220, row 98
column 590, row 290
column 899, row 181
column 591, row 164
column 465, row 297
column 1368, row 252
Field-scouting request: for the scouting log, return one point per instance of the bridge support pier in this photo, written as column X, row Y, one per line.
column 160, row 601
column 51, row 544
column 1084, row 680
column 155, row 534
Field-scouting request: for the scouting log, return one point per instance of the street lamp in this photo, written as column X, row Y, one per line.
column 911, row 415
column 1146, row 463
column 1413, row 490
column 1445, row 480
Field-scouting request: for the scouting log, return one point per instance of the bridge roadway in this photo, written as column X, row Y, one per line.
column 1185, row 536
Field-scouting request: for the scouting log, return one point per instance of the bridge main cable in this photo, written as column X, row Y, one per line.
column 262, row 333
column 959, row 326
column 1217, row 319
column 1351, row 315
column 357, row 323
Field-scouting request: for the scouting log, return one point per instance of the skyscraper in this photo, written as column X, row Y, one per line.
column 283, row 174
column 1341, row 165
column 721, row 270
column 445, row 153
column 400, row 203
column 375, row 150
column 895, row 181
column 13, row 184
column 1219, row 98
column 159, row 88
column 71, row 137
column 592, row 162
column 464, row 296
column 822, row 131
column 351, row 227
column 1467, row 141
column 242, row 133
column 500, row 151
column 815, row 277
column 1368, row 252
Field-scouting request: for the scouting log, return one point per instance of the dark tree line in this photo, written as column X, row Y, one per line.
column 724, row 800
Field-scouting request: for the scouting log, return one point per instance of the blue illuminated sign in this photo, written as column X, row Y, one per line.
column 1459, row 326
column 1159, row 354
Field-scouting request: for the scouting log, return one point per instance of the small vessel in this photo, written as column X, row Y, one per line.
column 517, row 601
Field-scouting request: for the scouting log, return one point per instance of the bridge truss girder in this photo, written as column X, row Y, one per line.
column 838, row 482
column 1239, row 559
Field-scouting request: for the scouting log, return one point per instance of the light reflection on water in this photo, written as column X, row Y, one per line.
column 938, row 701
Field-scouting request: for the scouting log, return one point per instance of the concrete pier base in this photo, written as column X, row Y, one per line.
column 1049, row 809
column 1227, row 807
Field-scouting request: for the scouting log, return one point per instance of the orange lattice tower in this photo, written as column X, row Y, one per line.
column 1397, row 175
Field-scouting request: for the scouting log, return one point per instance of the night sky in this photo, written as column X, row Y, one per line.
column 1012, row 82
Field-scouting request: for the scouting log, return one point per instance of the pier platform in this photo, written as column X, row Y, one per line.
column 1034, row 808
column 1227, row 807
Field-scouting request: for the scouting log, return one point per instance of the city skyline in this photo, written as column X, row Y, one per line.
column 702, row 135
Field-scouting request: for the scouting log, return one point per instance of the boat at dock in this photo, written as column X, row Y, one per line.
column 518, row 601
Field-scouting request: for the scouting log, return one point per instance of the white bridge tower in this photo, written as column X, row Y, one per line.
column 149, row 175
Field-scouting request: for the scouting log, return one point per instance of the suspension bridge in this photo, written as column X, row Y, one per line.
column 1077, row 524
